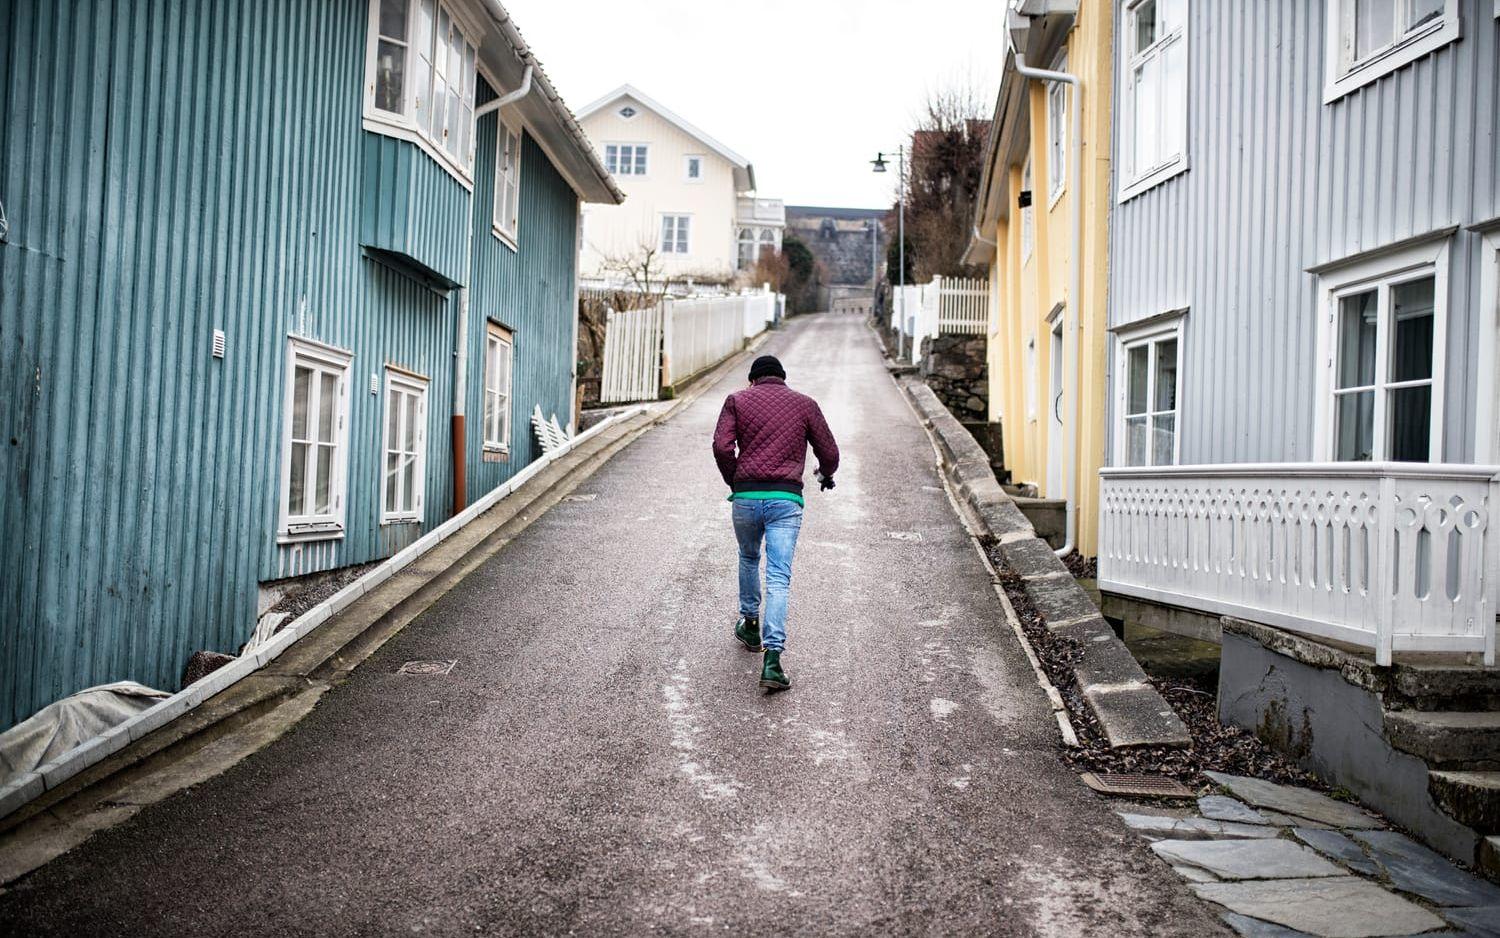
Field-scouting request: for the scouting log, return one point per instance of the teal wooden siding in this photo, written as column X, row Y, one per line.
column 172, row 168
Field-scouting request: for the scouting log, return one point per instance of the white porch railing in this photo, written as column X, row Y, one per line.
column 1389, row 556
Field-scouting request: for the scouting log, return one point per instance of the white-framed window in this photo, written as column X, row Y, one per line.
column 1382, row 346
column 627, row 112
column 420, row 75
column 754, row 243
column 1150, row 360
column 674, row 234
column 625, row 159
column 1153, row 137
column 1028, row 229
column 1370, row 38
column 314, row 442
column 692, row 167
column 1057, row 134
column 499, row 349
column 507, row 180
column 403, row 447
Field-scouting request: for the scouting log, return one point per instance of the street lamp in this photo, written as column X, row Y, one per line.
column 879, row 163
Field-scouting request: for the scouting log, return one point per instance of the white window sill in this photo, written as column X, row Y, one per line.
column 1152, row 179
column 1403, row 53
column 400, row 519
column 391, row 126
column 506, row 238
column 497, row 447
column 324, row 532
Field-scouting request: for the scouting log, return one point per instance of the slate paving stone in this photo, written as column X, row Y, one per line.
column 1194, row 828
column 1194, row 875
column 1223, row 808
column 1300, row 802
column 1247, row 859
column 1329, row 907
column 1339, row 847
column 1254, row 928
column 1288, row 820
column 1481, row 921
column 1415, row 869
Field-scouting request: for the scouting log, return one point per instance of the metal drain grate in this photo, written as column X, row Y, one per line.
column 904, row 535
column 581, row 498
column 1150, row 786
column 427, row 667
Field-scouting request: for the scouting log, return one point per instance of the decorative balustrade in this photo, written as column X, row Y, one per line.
column 1390, row 556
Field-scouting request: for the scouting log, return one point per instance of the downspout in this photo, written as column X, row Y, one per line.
column 461, row 333
column 1075, row 287
column 982, row 239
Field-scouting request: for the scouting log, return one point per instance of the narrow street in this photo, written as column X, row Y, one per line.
column 601, row 761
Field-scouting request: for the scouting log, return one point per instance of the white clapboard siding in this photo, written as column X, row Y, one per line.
column 632, row 355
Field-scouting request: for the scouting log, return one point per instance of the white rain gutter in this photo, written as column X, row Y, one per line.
column 461, row 334
column 1075, row 285
column 981, row 238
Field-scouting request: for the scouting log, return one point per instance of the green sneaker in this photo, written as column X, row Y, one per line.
column 747, row 630
column 771, row 675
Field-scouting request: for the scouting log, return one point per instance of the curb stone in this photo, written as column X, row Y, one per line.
column 1114, row 687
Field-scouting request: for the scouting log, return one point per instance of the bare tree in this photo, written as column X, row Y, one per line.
column 947, row 159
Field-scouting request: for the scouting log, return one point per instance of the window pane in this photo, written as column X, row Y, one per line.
column 408, row 484
column 640, row 161
column 1411, row 343
column 1170, row 15
column 391, row 472
column 392, row 419
column 323, row 483
column 296, row 491
column 1135, row 441
column 1424, row 11
column 682, row 235
column 422, row 39
column 1174, row 105
column 1145, row 25
column 1410, row 423
column 301, row 387
column 666, row 234
column 1163, row 439
column 390, row 75
column 409, row 444
column 1357, row 324
column 1355, row 430
column 1374, row 25
column 505, row 355
column 1147, row 113
column 393, row 18
column 1166, row 375
column 1136, row 370
column 327, row 397
column 612, row 158
column 422, row 94
column 451, row 137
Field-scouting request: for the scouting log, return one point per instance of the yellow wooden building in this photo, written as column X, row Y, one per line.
column 1041, row 227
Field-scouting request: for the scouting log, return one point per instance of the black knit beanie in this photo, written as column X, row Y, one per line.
column 767, row 366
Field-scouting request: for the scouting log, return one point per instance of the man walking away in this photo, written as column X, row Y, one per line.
column 760, row 445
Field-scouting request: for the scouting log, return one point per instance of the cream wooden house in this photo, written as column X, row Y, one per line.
column 689, row 199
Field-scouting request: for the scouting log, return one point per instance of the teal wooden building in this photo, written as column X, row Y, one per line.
column 280, row 284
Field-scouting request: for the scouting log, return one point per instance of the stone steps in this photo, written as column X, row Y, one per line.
column 1471, row 798
column 1447, row 739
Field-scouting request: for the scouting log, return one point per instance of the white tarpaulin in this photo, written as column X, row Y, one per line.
column 60, row 726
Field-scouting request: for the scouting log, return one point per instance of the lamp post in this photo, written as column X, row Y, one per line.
column 879, row 162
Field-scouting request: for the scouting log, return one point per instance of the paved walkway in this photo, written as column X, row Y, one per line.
column 601, row 760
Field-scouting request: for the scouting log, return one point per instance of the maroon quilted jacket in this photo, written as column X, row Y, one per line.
column 771, row 425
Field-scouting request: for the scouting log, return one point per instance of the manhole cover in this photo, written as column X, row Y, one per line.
column 904, row 535
column 426, row 667
column 581, row 498
column 1151, row 786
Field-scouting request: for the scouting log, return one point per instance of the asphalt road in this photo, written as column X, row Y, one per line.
column 601, row 760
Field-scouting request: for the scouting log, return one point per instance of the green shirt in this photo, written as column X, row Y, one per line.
column 761, row 496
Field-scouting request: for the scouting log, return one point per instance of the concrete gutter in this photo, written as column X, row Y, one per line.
column 1128, row 708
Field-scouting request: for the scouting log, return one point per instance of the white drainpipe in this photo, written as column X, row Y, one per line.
column 461, row 334
column 1075, row 288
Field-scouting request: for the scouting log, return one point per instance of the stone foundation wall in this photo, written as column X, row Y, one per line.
column 956, row 368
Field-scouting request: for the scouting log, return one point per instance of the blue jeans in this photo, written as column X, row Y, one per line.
column 777, row 521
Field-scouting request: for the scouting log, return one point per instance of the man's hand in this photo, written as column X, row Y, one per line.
column 824, row 482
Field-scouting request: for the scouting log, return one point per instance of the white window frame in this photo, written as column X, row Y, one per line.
column 1343, row 74
column 497, row 423
column 322, row 359
column 1057, row 134
column 636, row 149
column 1380, row 271
column 1134, row 181
column 406, row 126
column 406, row 383
column 506, row 220
column 1487, row 416
column 1152, row 334
column 687, row 167
column 682, row 232
column 1028, row 214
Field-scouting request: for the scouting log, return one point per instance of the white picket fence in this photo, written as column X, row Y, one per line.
column 695, row 333
column 946, row 306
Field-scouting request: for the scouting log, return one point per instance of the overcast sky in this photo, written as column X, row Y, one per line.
column 807, row 90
